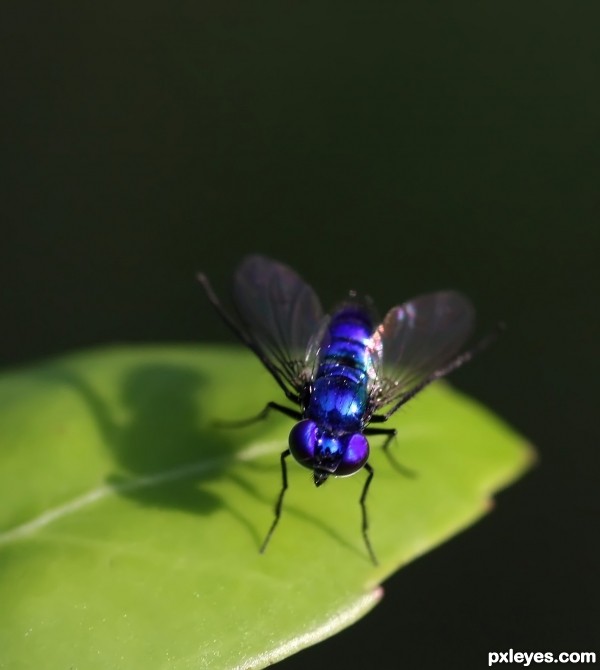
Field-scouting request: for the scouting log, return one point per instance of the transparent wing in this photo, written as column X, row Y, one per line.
column 280, row 313
column 418, row 338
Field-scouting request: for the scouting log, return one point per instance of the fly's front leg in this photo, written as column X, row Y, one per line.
column 391, row 434
column 292, row 413
column 363, row 507
column 279, row 503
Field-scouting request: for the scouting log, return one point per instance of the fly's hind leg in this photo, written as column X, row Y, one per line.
column 363, row 507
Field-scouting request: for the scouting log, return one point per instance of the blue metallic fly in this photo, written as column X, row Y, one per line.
column 344, row 371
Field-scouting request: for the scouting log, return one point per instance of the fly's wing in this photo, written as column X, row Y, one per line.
column 280, row 314
column 418, row 338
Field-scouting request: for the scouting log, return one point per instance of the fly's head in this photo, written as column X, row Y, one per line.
column 327, row 454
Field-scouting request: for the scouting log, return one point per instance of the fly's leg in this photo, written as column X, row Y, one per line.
column 279, row 503
column 363, row 507
column 391, row 434
column 292, row 413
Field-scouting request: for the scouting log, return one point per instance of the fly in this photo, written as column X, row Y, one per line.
column 345, row 372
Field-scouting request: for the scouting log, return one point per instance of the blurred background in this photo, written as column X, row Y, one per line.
column 390, row 147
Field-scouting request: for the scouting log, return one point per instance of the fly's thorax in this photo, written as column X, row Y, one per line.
column 338, row 403
column 327, row 453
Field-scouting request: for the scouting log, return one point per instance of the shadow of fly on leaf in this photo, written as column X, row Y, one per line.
column 162, row 440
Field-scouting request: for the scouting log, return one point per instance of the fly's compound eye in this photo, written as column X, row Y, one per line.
column 356, row 453
column 303, row 441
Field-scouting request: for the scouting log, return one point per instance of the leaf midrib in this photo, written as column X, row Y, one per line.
column 252, row 452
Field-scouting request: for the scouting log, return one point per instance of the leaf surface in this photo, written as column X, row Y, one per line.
column 130, row 524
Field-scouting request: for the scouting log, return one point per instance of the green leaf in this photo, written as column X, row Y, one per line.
column 130, row 525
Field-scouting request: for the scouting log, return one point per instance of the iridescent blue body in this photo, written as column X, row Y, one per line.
column 345, row 371
column 340, row 394
column 336, row 407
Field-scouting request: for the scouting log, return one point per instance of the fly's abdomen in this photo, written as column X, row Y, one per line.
column 340, row 394
column 347, row 346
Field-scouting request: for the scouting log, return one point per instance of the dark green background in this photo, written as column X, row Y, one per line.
column 390, row 147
